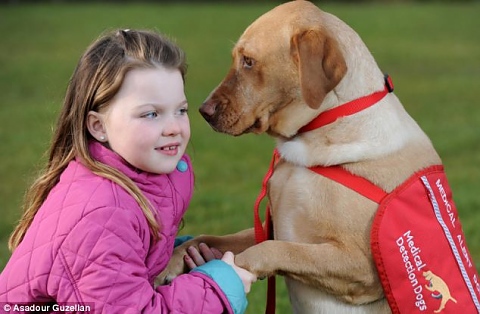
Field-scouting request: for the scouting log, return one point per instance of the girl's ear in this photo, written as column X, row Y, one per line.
column 96, row 126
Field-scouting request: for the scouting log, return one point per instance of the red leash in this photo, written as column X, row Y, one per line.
column 263, row 234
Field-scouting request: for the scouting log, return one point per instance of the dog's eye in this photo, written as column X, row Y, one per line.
column 247, row 62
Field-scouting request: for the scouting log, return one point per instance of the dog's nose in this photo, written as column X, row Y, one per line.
column 207, row 109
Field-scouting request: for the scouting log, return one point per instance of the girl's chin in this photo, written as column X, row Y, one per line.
column 166, row 167
column 163, row 165
column 162, row 170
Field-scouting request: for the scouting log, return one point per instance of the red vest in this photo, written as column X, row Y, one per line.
column 419, row 249
column 417, row 243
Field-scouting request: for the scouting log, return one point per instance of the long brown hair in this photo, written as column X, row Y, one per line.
column 97, row 78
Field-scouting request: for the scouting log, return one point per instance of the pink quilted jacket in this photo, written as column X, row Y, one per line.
column 90, row 244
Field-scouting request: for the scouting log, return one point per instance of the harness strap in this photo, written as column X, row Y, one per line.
column 358, row 184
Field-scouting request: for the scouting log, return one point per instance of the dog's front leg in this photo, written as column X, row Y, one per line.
column 236, row 243
column 349, row 274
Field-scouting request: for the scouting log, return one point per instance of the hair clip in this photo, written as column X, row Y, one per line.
column 123, row 32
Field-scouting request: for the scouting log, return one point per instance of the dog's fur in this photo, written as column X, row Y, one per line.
column 291, row 64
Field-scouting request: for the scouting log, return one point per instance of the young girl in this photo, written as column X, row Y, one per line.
column 100, row 222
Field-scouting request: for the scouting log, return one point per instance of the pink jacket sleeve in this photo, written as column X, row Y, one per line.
column 102, row 257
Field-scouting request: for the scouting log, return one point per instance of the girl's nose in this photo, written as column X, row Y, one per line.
column 172, row 127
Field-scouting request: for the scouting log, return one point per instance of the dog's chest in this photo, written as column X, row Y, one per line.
column 309, row 208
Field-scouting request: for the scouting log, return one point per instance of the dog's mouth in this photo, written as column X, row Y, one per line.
column 239, row 123
column 256, row 127
column 224, row 119
column 234, row 130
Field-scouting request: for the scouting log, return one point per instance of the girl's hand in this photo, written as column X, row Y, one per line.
column 247, row 277
column 205, row 254
column 197, row 258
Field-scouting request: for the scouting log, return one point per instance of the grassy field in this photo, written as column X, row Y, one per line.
column 432, row 52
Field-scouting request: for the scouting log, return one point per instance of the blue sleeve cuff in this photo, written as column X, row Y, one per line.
column 228, row 280
column 181, row 239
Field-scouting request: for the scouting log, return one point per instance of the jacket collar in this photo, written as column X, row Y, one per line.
column 148, row 182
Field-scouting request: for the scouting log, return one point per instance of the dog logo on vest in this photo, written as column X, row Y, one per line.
column 436, row 284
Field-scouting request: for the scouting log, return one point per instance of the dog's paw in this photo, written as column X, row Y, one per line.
column 255, row 262
column 164, row 279
column 176, row 266
column 169, row 273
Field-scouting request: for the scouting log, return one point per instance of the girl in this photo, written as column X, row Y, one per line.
column 100, row 222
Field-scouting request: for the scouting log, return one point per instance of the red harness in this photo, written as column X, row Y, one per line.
column 418, row 288
column 322, row 119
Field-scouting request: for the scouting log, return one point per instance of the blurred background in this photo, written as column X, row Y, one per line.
column 431, row 49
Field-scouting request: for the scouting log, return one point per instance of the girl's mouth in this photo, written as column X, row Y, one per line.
column 170, row 150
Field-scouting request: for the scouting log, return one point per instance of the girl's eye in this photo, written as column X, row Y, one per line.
column 183, row 111
column 150, row 115
column 247, row 62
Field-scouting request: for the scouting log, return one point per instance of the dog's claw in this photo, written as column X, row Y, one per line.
column 163, row 281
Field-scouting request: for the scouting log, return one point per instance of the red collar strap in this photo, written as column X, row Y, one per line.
column 348, row 108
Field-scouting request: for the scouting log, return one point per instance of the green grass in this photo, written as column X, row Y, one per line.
column 432, row 52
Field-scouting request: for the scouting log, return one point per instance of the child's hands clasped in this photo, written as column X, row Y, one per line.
column 205, row 254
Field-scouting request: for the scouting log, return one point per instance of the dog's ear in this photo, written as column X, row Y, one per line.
column 320, row 64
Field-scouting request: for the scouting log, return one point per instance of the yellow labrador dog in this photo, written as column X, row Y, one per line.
column 290, row 65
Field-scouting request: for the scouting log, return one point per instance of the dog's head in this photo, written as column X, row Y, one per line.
column 284, row 65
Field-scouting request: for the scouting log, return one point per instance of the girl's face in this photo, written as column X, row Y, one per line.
column 147, row 122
